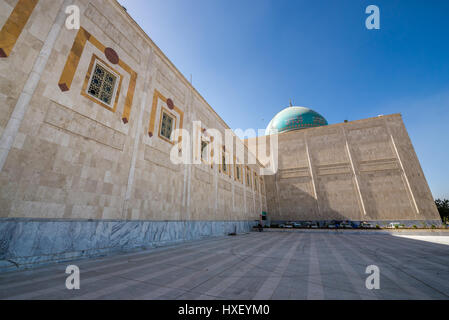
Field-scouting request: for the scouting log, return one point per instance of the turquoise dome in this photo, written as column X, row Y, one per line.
column 295, row 118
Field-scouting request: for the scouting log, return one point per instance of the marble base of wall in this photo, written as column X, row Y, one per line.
column 26, row 243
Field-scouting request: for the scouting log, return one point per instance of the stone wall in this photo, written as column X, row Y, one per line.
column 364, row 170
column 73, row 158
column 67, row 156
column 69, row 161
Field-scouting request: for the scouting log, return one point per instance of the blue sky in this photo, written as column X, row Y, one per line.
column 248, row 58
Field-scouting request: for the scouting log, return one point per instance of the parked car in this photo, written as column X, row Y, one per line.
column 282, row 225
column 346, row 225
column 393, row 225
column 296, row 225
column 306, row 224
column 337, row 223
column 367, row 225
column 332, row 226
column 314, row 225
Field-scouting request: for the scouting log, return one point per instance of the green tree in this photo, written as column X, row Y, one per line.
column 443, row 209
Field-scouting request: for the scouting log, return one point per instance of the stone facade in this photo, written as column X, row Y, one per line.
column 85, row 170
column 66, row 156
column 364, row 170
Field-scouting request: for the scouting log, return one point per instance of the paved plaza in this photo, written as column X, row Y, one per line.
column 267, row 265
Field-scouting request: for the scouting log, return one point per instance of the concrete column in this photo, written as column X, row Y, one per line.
column 260, row 198
column 137, row 139
column 233, row 196
column 311, row 174
column 21, row 107
column 184, row 187
column 216, row 186
column 190, row 115
column 404, row 174
column 244, row 191
column 189, row 184
column 254, row 199
column 354, row 172
column 278, row 200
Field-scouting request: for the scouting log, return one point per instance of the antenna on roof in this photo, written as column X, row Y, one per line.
column 291, row 103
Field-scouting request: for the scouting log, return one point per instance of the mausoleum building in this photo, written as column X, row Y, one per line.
column 90, row 122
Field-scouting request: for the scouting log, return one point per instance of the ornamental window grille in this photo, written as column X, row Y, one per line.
column 166, row 125
column 223, row 163
column 204, row 150
column 102, row 84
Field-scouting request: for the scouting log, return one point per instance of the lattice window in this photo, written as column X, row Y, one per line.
column 224, row 163
column 166, row 125
column 102, row 84
column 204, row 148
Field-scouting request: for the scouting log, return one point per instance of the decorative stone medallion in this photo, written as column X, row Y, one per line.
column 170, row 104
column 111, row 55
